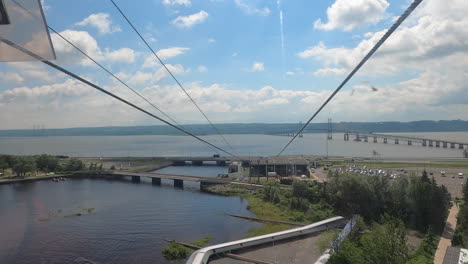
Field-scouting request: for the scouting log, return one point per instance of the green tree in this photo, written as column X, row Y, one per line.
column 352, row 194
column 300, row 189
column 3, row 163
column 22, row 165
column 347, row 253
column 465, row 191
column 74, row 164
column 46, row 163
column 386, row 243
column 271, row 192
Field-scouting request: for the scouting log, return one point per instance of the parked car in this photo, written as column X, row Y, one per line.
column 460, row 175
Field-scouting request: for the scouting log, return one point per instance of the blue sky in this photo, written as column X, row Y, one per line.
column 233, row 59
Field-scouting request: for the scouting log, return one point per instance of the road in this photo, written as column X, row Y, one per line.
column 447, row 235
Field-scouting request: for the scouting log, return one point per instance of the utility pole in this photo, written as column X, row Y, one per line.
column 258, row 170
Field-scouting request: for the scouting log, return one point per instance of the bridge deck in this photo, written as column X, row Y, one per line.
column 173, row 177
column 416, row 139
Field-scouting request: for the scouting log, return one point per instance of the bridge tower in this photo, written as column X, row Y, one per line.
column 329, row 130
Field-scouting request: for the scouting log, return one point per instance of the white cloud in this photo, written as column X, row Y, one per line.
column 202, row 68
column 257, row 67
column 83, row 40
column 347, row 15
column 11, row 77
column 177, row 2
column 69, row 88
column 171, row 52
column 139, row 78
column 330, row 72
column 228, row 104
column 33, row 71
column 274, row 101
column 163, row 54
column 122, row 55
column 149, row 78
column 250, row 9
column 211, row 40
column 290, row 73
column 67, row 54
column 190, row 20
column 100, row 21
column 431, row 39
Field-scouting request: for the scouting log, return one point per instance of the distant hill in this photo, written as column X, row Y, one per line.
column 250, row 128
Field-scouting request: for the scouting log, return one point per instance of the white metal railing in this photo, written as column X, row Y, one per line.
column 202, row 255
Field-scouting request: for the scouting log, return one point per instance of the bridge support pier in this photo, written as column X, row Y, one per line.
column 197, row 162
column 375, row 139
column 424, row 143
column 452, row 145
column 178, row 183
column 430, row 143
column 346, row 137
column 460, row 146
column 385, row 140
column 358, row 138
column 366, row 139
column 437, row 144
column 397, row 141
column 410, row 142
column 156, row 181
column 136, row 179
column 178, row 163
column 444, row 144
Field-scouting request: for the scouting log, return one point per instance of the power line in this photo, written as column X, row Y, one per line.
column 105, row 69
column 53, row 65
column 115, row 77
column 170, row 73
column 371, row 52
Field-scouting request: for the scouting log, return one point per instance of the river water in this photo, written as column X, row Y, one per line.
column 39, row 225
column 128, row 221
column 243, row 145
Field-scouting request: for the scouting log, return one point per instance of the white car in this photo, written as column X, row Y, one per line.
column 460, row 175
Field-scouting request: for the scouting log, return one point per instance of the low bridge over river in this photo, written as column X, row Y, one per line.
column 409, row 140
column 178, row 179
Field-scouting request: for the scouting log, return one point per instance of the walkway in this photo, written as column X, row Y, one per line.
column 446, row 239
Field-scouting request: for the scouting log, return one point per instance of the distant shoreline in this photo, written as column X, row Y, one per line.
column 246, row 129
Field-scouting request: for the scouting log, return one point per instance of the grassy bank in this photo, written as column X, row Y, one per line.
column 280, row 210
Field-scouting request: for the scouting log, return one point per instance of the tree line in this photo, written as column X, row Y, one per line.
column 460, row 237
column 418, row 201
column 22, row 165
column 387, row 208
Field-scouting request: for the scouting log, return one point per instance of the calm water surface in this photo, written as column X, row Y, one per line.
column 128, row 225
column 244, row 145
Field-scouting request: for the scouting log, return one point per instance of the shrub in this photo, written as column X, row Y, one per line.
column 300, row 204
column 175, row 251
column 271, row 193
column 300, row 189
